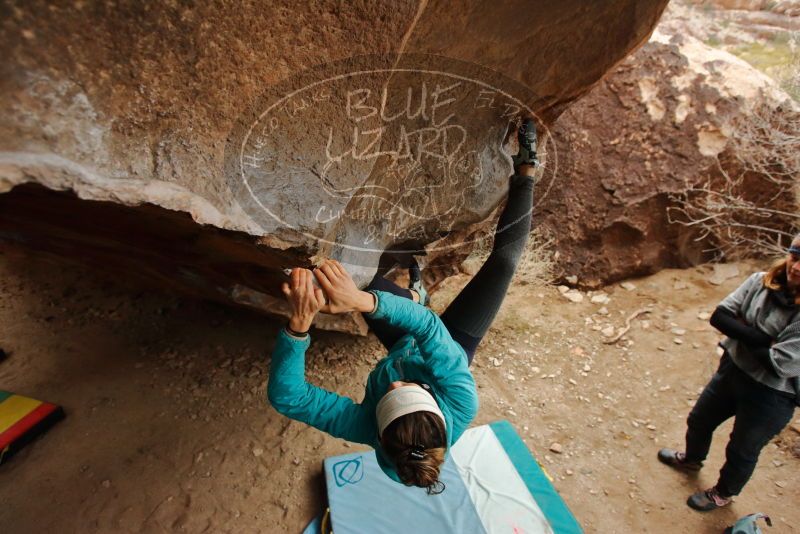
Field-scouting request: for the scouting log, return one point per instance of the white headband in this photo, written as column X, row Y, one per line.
column 402, row 401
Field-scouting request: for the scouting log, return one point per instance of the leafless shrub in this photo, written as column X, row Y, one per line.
column 536, row 266
column 747, row 204
column 789, row 75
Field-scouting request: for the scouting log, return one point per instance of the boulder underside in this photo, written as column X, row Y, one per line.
column 208, row 147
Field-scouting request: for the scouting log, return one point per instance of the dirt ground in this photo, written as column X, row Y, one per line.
column 167, row 427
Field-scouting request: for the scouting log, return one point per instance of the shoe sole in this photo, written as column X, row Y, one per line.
column 696, row 508
column 708, row 508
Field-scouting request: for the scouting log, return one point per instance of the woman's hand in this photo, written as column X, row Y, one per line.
column 304, row 299
column 343, row 295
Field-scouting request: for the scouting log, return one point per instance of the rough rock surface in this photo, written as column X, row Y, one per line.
column 651, row 129
column 790, row 7
column 223, row 112
column 747, row 23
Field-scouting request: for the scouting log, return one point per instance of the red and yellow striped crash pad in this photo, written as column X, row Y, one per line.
column 21, row 419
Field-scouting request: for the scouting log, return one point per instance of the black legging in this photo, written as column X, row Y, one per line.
column 471, row 313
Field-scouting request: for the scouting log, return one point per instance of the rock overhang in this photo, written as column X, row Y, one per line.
column 143, row 105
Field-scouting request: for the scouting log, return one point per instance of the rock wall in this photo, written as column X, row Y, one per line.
column 789, row 7
column 324, row 129
column 651, row 130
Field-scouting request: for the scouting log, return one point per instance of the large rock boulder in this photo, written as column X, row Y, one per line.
column 209, row 146
column 661, row 124
column 789, row 7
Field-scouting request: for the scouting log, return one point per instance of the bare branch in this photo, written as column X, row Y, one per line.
column 747, row 203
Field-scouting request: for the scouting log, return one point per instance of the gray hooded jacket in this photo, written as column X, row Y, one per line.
column 764, row 309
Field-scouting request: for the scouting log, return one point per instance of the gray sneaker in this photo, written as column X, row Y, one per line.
column 710, row 499
column 677, row 460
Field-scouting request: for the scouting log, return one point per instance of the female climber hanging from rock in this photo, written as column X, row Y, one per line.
column 421, row 397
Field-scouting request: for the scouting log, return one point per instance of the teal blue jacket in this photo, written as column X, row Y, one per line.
column 427, row 353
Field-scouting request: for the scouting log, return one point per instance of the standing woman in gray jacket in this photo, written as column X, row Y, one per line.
column 758, row 380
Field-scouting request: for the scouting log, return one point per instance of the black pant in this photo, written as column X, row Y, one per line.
column 760, row 413
column 471, row 313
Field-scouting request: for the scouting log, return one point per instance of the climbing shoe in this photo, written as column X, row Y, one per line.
column 677, row 460
column 710, row 499
column 415, row 283
column 526, row 135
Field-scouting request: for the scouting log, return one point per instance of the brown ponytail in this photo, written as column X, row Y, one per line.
column 416, row 443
